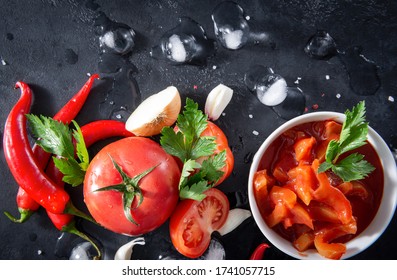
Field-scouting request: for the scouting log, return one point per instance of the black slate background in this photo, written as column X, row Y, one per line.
column 52, row 45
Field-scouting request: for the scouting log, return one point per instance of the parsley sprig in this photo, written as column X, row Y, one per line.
column 57, row 138
column 189, row 146
column 353, row 135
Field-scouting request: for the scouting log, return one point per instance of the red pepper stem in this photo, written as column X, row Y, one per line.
column 71, row 209
column 71, row 228
column 25, row 214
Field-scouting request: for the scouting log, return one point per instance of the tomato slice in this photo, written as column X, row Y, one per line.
column 193, row 222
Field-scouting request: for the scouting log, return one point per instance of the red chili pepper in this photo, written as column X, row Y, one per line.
column 22, row 163
column 27, row 205
column 259, row 251
column 102, row 129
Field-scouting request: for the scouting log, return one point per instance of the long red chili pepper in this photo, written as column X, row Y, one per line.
column 27, row 205
column 23, row 165
column 259, row 251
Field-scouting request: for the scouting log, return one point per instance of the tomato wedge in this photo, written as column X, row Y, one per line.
column 192, row 222
column 221, row 145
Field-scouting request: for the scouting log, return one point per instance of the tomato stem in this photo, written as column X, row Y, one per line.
column 71, row 209
column 71, row 228
column 129, row 189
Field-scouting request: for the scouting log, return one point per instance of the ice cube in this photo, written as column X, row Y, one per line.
column 271, row 90
column 321, row 46
column 230, row 25
column 120, row 40
column 254, row 74
column 185, row 43
column 215, row 251
column 82, row 252
column 114, row 37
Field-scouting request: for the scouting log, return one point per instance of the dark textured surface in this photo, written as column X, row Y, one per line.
column 52, row 45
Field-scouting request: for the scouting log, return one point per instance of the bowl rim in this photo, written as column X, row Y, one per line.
column 385, row 211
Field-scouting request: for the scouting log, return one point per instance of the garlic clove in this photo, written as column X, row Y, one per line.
column 125, row 251
column 155, row 112
column 217, row 100
column 235, row 217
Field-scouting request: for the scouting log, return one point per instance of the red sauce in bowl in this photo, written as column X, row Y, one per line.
column 279, row 162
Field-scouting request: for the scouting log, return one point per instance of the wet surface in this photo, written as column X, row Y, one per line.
column 53, row 45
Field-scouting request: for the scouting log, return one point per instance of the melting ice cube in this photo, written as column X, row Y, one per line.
column 321, row 46
column 215, row 251
column 185, row 43
column 82, row 251
column 115, row 37
column 270, row 88
column 120, row 40
column 230, row 26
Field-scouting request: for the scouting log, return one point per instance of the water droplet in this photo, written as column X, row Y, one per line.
column 122, row 95
column 117, row 42
column 293, row 105
column 71, row 57
column 10, row 36
column 321, row 46
column 363, row 73
column 32, row 237
column 185, row 43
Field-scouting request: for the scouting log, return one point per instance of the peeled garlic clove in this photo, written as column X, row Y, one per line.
column 217, row 100
column 155, row 112
column 235, row 217
column 125, row 251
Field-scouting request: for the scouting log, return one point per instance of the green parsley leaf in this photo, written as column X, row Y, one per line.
column 174, row 143
column 195, row 191
column 353, row 168
column 189, row 146
column 53, row 136
column 353, row 135
column 70, row 168
column 188, row 168
column 187, row 143
column 57, row 138
column 211, row 167
column 81, row 149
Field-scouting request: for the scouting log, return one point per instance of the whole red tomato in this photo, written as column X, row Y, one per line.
column 221, row 144
column 193, row 221
column 159, row 187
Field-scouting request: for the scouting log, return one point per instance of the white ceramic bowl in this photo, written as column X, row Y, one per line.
column 382, row 217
